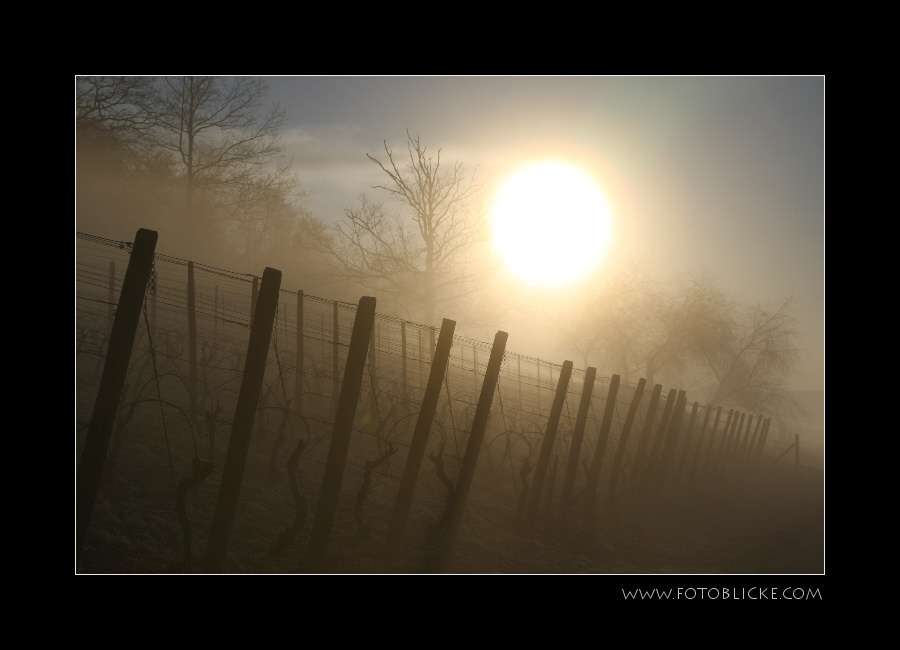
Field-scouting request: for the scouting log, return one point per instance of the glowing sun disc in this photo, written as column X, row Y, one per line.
column 552, row 224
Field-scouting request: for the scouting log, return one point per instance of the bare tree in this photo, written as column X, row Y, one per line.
column 425, row 257
column 118, row 109
column 220, row 132
column 691, row 330
column 752, row 365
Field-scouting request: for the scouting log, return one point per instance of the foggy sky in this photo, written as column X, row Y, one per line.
column 718, row 173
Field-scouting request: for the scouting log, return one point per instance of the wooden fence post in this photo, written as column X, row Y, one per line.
column 707, row 466
column 330, row 492
column 686, row 445
column 670, row 444
column 298, row 377
column 254, row 297
column 473, row 447
column 762, row 439
column 652, row 462
column 419, row 442
column 720, row 457
column 623, row 443
column 242, row 426
column 745, row 443
column 112, row 381
column 750, row 443
column 593, row 477
column 641, row 453
column 694, row 462
column 568, row 484
column 751, row 450
column 540, row 470
column 734, row 447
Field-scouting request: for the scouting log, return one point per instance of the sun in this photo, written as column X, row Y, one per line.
column 552, row 223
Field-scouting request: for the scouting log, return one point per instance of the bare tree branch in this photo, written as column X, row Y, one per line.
column 424, row 258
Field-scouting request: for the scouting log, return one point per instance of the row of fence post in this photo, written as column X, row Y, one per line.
column 299, row 345
column 655, row 455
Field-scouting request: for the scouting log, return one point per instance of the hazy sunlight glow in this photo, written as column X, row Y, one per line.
column 552, row 224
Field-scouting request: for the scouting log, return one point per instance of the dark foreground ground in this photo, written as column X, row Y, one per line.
column 772, row 524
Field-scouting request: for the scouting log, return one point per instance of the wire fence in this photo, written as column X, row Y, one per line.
column 186, row 370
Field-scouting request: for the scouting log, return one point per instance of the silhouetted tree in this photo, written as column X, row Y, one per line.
column 122, row 178
column 632, row 324
column 202, row 154
column 116, row 111
column 427, row 256
column 224, row 139
column 752, row 365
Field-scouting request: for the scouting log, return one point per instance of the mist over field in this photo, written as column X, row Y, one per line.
column 662, row 234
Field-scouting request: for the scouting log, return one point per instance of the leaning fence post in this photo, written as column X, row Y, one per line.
column 419, row 442
column 593, row 477
column 473, row 447
column 568, row 483
column 242, row 426
column 540, row 470
column 623, row 442
column 720, row 457
column 734, row 447
column 668, row 449
column 647, row 431
column 112, row 381
column 707, row 467
column 700, row 438
column 653, row 459
column 751, row 450
column 330, row 491
column 762, row 439
column 686, row 445
column 749, row 439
